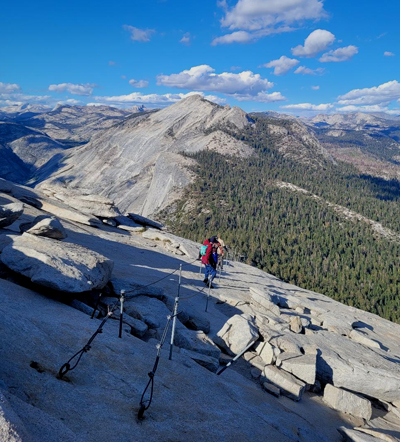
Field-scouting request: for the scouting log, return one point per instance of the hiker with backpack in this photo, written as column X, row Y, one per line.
column 207, row 258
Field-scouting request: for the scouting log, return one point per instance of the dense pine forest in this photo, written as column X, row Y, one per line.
column 291, row 234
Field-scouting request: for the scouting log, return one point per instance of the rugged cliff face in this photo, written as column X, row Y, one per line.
column 138, row 163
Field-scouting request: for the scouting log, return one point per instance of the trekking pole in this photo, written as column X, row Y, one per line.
column 209, row 292
column 201, row 266
column 237, row 357
column 121, row 313
column 175, row 313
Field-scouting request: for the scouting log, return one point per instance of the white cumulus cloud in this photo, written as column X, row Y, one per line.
column 383, row 94
column 138, row 83
column 316, row 42
column 307, row 71
column 186, row 39
column 388, row 54
column 253, row 19
column 203, row 78
column 309, row 106
column 282, row 65
column 338, row 55
column 315, row 88
column 261, row 14
column 9, row 88
column 75, row 89
column 137, row 34
column 153, row 99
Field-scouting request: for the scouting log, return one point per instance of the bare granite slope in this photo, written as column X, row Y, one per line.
column 138, row 163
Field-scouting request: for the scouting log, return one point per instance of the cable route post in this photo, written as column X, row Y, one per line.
column 209, row 292
column 175, row 314
column 121, row 313
column 145, row 403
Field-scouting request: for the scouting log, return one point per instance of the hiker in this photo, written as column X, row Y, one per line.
column 220, row 251
column 208, row 259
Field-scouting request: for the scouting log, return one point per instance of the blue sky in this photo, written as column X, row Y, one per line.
column 285, row 55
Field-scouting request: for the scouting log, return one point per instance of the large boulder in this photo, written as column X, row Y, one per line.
column 10, row 213
column 303, row 366
column 45, row 225
column 237, row 333
column 347, row 402
column 288, row 384
column 59, row 265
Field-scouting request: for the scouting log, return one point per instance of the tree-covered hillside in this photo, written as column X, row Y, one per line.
column 293, row 235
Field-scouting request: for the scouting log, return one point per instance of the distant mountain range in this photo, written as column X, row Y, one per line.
column 302, row 199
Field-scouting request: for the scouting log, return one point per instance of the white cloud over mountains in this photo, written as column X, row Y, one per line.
column 253, row 19
column 138, row 83
column 338, row 55
column 282, row 65
column 383, row 95
column 9, row 88
column 244, row 86
column 153, row 99
column 388, row 54
column 137, row 34
column 315, row 43
column 74, row 89
column 309, row 106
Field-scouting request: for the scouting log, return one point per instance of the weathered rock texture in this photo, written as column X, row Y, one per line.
column 10, row 213
column 347, row 402
column 62, row 266
column 44, row 225
column 138, row 163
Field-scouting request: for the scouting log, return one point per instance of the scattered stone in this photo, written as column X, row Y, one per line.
column 138, row 327
column 305, row 322
column 296, row 325
column 44, row 225
column 263, row 299
column 210, row 363
column 237, row 333
column 255, row 373
column 266, row 352
column 271, row 389
column 299, row 309
column 316, row 321
column 350, row 435
column 109, row 222
column 61, row 266
column 9, row 213
column 363, row 339
column 84, row 308
column 145, row 221
column 303, row 367
column 287, row 383
column 125, row 223
column 198, row 323
column 347, row 402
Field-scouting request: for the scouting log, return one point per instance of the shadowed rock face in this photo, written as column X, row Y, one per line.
column 138, row 163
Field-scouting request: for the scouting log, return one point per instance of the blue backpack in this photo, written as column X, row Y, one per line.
column 203, row 250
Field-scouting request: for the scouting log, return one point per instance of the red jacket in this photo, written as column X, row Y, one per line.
column 208, row 258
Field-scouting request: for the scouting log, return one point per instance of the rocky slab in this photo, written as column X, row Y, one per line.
column 59, row 265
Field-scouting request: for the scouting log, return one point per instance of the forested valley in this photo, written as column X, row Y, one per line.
column 292, row 235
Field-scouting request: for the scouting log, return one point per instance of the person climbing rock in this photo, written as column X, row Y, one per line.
column 208, row 259
column 220, row 251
